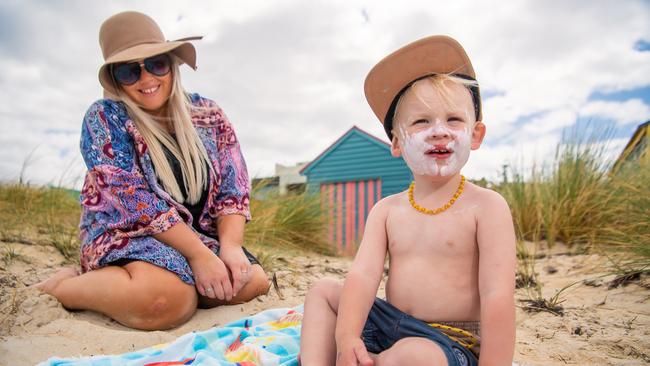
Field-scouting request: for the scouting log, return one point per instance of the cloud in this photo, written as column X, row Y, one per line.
column 623, row 113
column 289, row 74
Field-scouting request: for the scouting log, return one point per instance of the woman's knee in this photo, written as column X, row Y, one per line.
column 170, row 308
column 260, row 280
column 161, row 301
column 258, row 284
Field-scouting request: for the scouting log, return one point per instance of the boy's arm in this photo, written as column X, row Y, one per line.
column 497, row 261
column 360, row 287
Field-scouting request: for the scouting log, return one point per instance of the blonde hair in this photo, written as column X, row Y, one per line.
column 440, row 82
column 187, row 147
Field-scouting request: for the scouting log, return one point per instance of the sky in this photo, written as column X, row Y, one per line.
column 289, row 74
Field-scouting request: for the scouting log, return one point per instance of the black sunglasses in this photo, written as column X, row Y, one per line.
column 129, row 73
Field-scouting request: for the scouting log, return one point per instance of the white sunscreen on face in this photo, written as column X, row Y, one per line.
column 415, row 147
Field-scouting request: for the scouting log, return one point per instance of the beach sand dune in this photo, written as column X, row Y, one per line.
column 600, row 326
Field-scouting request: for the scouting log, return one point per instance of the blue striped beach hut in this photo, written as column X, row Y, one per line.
column 352, row 174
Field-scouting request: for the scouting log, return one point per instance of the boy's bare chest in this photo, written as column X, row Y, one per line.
column 413, row 233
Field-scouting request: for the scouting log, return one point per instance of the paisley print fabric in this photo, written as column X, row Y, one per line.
column 123, row 205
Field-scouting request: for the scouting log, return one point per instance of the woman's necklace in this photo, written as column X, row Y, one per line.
column 438, row 210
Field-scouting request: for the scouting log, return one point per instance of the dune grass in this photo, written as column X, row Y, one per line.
column 39, row 215
column 579, row 201
column 292, row 221
column 629, row 229
column 526, row 276
column 525, row 201
column 50, row 216
column 565, row 201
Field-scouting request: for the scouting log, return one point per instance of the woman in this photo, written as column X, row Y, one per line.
column 165, row 199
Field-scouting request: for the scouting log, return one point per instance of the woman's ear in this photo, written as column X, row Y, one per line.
column 478, row 132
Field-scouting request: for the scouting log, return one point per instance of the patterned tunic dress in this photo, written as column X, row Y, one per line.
column 123, row 205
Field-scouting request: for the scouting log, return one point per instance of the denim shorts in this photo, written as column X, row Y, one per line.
column 387, row 324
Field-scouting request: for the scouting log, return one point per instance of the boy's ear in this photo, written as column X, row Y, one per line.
column 477, row 134
column 395, row 150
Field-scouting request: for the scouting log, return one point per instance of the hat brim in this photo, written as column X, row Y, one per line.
column 183, row 50
column 430, row 55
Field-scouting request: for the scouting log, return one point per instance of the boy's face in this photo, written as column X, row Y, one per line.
column 435, row 133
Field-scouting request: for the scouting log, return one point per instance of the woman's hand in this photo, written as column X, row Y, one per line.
column 237, row 263
column 210, row 273
column 211, row 276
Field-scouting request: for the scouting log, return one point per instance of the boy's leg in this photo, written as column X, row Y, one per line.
column 317, row 343
column 412, row 351
column 139, row 294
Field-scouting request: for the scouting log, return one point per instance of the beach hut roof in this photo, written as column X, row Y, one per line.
column 642, row 132
column 341, row 140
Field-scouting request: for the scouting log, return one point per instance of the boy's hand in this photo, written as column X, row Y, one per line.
column 353, row 353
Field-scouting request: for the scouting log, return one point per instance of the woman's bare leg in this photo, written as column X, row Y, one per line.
column 317, row 343
column 258, row 285
column 139, row 294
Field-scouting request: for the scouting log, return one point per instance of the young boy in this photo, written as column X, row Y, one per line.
column 451, row 244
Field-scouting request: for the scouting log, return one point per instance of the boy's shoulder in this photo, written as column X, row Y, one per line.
column 384, row 206
column 488, row 201
column 392, row 201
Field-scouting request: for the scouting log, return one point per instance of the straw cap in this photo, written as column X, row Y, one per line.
column 427, row 56
column 131, row 35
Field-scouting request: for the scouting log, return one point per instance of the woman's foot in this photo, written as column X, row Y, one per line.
column 50, row 284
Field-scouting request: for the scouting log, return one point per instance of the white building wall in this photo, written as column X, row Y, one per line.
column 289, row 175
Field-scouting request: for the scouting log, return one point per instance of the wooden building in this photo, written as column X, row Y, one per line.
column 352, row 174
column 637, row 148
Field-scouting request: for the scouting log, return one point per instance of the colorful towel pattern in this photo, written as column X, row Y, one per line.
column 270, row 338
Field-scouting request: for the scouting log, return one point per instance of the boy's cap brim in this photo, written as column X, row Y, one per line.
column 427, row 56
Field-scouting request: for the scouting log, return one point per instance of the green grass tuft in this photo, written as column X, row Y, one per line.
column 289, row 221
column 577, row 200
column 40, row 215
column 50, row 216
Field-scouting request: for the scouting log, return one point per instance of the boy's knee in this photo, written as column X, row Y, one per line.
column 326, row 287
column 412, row 351
column 386, row 358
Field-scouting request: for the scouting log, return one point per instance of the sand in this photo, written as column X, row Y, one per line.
column 600, row 326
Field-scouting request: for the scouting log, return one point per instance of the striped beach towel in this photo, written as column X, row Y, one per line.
column 270, row 338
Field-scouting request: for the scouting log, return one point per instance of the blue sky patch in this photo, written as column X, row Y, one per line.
column 642, row 45
column 642, row 93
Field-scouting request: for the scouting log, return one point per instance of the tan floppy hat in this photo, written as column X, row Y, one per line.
column 131, row 35
column 427, row 56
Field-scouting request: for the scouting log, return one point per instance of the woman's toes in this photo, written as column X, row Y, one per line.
column 50, row 284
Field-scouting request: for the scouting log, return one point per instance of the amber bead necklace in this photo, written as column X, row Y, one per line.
column 438, row 210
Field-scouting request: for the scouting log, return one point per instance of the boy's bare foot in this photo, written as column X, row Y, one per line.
column 48, row 285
